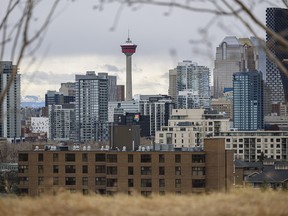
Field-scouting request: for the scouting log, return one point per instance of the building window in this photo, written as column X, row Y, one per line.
column 177, row 183
column 85, row 181
column 177, row 158
column 100, row 169
column 146, row 170
column 40, row 169
column 146, row 158
column 130, row 158
column 130, row 171
column 198, row 158
column 55, row 157
column 40, row 157
column 23, row 180
column 55, row 168
column 161, row 158
column 198, row 171
column 111, row 182
column 161, row 183
column 23, row 169
column 100, row 181
column 161, row 170
column 178, row 170
column 112, row 170
column 100, row 157
column 55, row 180
column 130, row 182
column 40, row 180
column 70, row 157
column 84, row 169
column 84, row 157
column 112, row 158
column 70, row 169
column 146, row 182
column 198, row 183
column 70, row 181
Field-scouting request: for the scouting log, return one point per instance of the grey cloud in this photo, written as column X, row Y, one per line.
column 112, row 68
column 41, row 77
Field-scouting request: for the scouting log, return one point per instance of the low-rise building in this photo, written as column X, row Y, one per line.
column 45, row 170
column 251, row 145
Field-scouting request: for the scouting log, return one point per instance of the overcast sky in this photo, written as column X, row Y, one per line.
column 82, row 37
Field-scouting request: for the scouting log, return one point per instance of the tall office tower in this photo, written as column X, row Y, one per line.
column 112, row 86
column 53, row 97
column 120, row 93
column 277, row 21
column 61, row 123
column 68, row 89
column 91, row 107
column 57, row 98
column 248, row 101
column 193, row 78
column 232, row 55
column 172, row 91
column 10, row 116
column 128, row 49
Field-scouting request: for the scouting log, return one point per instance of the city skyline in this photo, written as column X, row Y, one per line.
column 93, row 46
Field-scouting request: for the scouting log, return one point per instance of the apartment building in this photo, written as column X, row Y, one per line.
column 249, row 145
column 46, row 170
column 189, row 127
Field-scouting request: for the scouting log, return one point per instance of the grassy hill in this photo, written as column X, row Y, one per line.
column 247, row 202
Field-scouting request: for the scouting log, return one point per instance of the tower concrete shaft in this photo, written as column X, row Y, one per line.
column 128, row 49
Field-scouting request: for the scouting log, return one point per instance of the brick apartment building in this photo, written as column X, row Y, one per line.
column 109, row 172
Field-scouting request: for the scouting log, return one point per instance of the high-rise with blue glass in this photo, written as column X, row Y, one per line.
column 248, row 101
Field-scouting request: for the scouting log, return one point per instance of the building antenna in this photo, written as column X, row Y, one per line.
column 128, row 40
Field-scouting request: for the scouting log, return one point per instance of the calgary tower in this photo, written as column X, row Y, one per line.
column 128, row 49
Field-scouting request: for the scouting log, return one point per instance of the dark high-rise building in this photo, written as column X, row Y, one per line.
column 248, row 101
column 277, row 21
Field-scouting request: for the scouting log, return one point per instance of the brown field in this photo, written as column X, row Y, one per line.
column 247, row 202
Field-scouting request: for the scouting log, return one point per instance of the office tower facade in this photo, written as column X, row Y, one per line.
column 120, row 93
column 232, row 55
column 67, row 89
column 58, row 98
column 128, row 49
column 277, row 81
column 248, row 101
column 194, row 80
column 91, row 107
column 172, row 91
column 61, row 123
column 10, row 116
column 112, row 86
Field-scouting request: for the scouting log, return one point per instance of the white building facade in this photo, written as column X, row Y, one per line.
column 189, row 127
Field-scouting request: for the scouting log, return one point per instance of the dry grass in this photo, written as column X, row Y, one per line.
column 236, row 203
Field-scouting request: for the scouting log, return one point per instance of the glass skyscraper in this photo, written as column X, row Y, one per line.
column 248, row 101
column 277, row 81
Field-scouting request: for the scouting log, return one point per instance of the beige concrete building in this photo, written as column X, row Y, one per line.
column 224, row 106
column 189, row 127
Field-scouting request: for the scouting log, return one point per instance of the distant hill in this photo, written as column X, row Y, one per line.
column 32, row 101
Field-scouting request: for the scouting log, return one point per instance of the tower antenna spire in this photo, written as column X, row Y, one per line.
column 128, row 40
